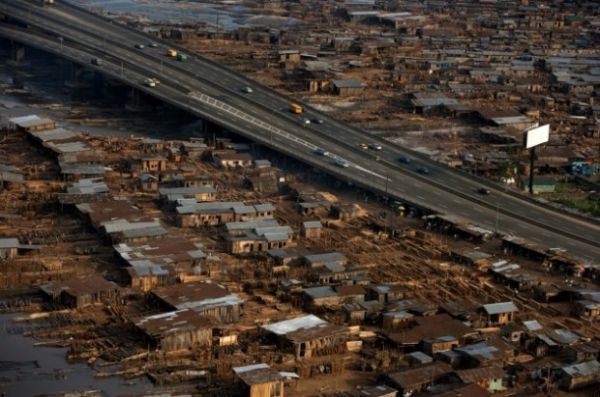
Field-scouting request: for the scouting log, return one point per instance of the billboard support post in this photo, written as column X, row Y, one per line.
column 531, row 161
column 534, row 137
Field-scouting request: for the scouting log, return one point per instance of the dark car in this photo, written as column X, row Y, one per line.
column 423, row 170
column 484, row 190
column 318, row 121
column 404, row 160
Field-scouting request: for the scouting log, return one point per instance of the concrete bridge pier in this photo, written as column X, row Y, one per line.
column 17, row 52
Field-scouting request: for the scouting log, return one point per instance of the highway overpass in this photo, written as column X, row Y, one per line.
column 213, row 92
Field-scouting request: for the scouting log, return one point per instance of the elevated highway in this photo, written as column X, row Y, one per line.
column 213, row 92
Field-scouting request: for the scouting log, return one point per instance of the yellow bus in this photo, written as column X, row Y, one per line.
column 295, row 108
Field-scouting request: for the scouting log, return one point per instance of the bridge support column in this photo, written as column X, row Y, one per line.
column 136, row 101
column 17, row 52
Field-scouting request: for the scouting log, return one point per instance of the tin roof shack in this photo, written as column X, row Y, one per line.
column 150, row 164
column 311, row 229
column 438, row 325
column 206, row 298
column 32, row 123
column 170, row 195
column 256, row 236
column 495, row 351
column 321, row 296
column 178, row 330
column 583, row 351
column 588, row 309
column 347, row 87
column 83, row 291
column 334, row 272
column 160, row 262
column 218, row 213
column 385, row 293
column 489, row 378
column 10, row 248
column 232, row 160
column 578, row 376
column 309, row 336
column 479, row 259
column 416, row 380
column 259, row 380
column 471, row 390
column 520, row 246
column 318, row 260
column 120, row 221
column 458, row 227
column 10, row 175
column 438, row 344
column 499, row 313
column 378, row 391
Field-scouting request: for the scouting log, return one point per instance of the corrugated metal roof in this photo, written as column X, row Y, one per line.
column 326, row 257
column 295, row 324
column 320, row 292
column 584, row 369
column 501, row 307
column 30, row 121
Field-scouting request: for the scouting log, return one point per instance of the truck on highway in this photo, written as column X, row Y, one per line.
column 295, row 108
column 171, row 53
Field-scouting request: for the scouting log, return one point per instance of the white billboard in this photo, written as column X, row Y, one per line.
column 537, row 136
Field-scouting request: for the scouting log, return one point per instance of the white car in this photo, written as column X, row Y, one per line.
column 342, row 163
column 375, row 146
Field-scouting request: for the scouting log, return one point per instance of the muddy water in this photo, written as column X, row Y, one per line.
column 26, row 370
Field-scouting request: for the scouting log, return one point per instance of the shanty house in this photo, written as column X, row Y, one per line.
column 83, row 291
column 233, row 160
column 32, row 123
column 178, row 330
column 499, row 313
column 308, row 336
column 10, row 247
column 416, row 380
column 347, row 87
column 311, row 229
column 259, row 380
column 490, row 378
column 378, row 391
column 577, row 376
column 218, row 213
column 256, row 236
column 206, row 298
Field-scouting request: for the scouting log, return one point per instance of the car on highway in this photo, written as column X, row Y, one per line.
column 139, row 46
column 96, row 61
column 405, row 160
column 152, row 44
column 247, row 90
column 340, row 162
column 318, row 121
column 322, row 152
column 363, row 146
column 305, row 121
column 423, row 170
column 375, row 146
column 484, row 190
column 151, row 82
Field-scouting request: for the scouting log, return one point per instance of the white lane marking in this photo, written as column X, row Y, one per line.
column 420, row 198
